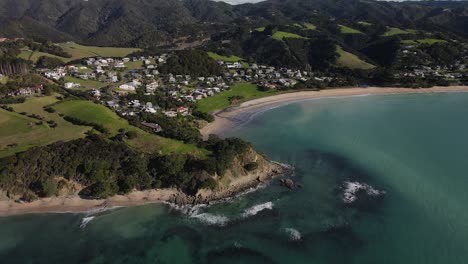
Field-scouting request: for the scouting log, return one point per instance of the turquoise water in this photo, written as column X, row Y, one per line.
column 411, row 147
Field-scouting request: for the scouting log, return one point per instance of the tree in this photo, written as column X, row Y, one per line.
column 49, row 62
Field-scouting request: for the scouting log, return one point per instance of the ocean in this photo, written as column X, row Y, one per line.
column 383, row 180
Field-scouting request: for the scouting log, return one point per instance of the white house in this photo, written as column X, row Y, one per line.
column 150, row 88
column 71, row 85
column 127, row 87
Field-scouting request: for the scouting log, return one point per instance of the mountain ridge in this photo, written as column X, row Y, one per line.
column 125, row 22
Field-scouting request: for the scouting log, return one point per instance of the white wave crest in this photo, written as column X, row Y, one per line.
column 85, row 221
column 294, row 234
column 211, row 219
column 351, row 189
column 257, row 208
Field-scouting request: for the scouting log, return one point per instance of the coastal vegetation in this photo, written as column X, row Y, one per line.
column 104, row 168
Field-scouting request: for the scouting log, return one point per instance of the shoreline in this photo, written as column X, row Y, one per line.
column 235, row 116
column 225, row 119
column 74, row 204
column 78, row 205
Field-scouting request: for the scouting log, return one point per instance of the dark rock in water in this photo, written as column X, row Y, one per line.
column 288, row 183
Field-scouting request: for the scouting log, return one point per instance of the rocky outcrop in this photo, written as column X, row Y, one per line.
column 238, row 179
column 290, row 184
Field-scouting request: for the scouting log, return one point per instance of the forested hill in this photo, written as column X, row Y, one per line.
column 144, row 22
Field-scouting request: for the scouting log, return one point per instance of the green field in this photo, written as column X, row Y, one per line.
column 310, row 26
column 280, row 35
column 221, row 100
column 134, row 65
column 365, row 23
column 392, row 31
column 35, row 55
column 348, row 30
column 218, row 57
column 86, row 84
column 351, row 61
column 25, row 133
column 427, row 41
column 260, row 29
column 147, row 142
column 4, row 80
column 80, row 51
column 25, row 54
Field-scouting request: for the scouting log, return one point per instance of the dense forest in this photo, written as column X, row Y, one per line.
column 191, row 62
column 161, row 22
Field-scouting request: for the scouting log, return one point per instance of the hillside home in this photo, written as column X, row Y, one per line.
column 71, row 85
column 155, row 127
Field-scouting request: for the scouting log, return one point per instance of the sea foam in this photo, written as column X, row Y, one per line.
column 85, row 221
column 294, row 234
column 212, row 219
column 350, row 189
column 256, row 209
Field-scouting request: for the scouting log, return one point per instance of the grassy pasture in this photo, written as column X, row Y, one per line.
column 364, row 23
column 35, row 55
column 218, row 57
column 147, row 142
column 392, row 31
column 280, row 35
column 310, row 26
column 80, row 51
column 221, row 100
column 86, row 84
column 427, row 41
column 348, row 30
column 351, row 61
column 4, row 80
column 24, row 132
column 134, row 65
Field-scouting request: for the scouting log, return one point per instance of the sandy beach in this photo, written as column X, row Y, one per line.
column 234, row 116
column 76, row 204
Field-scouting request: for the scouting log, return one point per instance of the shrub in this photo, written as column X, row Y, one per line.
column 131, row 134
column 251, row 166
column 49, row 109
column 209, row 183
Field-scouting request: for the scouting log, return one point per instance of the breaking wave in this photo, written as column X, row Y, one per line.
column 257, row 208
column 211, row 219
column 85, row 221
